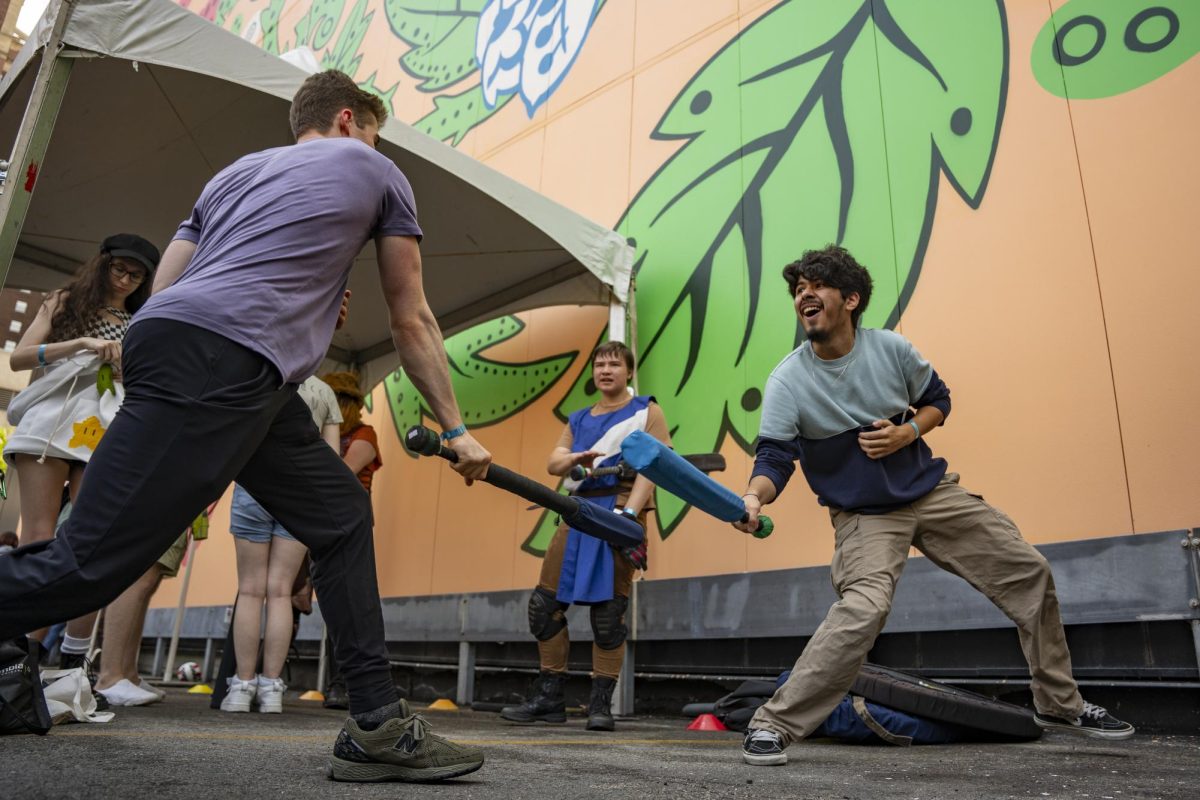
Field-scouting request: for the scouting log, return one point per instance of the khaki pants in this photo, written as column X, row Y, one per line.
column 552, row 653
column 960, row 533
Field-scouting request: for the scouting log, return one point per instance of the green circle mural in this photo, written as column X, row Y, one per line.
column 1099, row 48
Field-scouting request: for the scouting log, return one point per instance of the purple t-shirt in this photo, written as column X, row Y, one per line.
column 276, row 233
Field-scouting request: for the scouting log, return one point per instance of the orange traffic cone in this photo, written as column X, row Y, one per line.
column 707, row 722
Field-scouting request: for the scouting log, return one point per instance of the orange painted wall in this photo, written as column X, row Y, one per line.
column 1059, row 311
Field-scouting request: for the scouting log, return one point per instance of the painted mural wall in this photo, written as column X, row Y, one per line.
column 1018, row 176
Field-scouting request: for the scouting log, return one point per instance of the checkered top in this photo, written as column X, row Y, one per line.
column 101, row 327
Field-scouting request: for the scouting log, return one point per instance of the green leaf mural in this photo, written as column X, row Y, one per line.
column 315, row 29
column 820, row 122
column 441, row 39
column 1099, row 48
column 386, row 95
column 346, row 55
column 488, row 391
column 270, row 27
column 223, row 10
column 454, row 115
column 441, row 54
column 538, row 541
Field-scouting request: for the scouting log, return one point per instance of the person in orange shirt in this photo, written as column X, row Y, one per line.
column 360, row 445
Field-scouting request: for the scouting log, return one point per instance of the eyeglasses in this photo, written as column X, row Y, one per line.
column 135, row 276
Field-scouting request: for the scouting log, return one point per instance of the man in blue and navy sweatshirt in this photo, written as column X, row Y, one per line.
column 853, row 405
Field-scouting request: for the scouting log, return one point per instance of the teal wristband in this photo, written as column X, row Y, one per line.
column 915, row 428
column 42, row 355
column 453, row 433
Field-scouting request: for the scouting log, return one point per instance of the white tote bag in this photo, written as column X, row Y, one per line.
column 63, row 414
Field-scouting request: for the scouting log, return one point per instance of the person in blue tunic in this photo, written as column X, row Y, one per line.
column 581, row 569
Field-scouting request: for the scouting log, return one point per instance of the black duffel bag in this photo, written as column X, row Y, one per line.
column 22, row 703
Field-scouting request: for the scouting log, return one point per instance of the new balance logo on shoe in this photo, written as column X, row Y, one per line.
column 406, row 745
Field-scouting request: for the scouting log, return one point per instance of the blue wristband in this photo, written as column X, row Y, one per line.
column 915, row 428
column 453, row 433
column 42, row 355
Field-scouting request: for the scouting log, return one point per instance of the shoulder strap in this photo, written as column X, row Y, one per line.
column 860, row 708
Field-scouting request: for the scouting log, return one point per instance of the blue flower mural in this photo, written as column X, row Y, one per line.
column 527, row 47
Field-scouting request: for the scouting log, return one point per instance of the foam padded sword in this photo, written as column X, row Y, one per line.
column 615, row 529
column 672, row 472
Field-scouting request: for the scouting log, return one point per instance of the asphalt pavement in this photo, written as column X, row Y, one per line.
column 181, row 749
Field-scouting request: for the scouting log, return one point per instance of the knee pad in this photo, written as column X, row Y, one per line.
column 545, row 615
column 608, row 628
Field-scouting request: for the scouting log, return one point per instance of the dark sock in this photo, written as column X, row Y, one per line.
column 370, row 720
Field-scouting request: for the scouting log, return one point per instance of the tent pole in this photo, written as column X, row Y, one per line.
column 33, row 137
column 632, row 342
column 180, row 609
column 616, row 319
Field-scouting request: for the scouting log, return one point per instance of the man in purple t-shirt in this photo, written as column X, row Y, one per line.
column 245, row 302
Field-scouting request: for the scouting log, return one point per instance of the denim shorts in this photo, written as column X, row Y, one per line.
column 250, row 521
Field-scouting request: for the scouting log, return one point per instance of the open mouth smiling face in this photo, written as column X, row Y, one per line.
column 811, row 303
column 810, row 308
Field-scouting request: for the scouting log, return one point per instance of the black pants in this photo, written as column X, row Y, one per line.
column 201, row 411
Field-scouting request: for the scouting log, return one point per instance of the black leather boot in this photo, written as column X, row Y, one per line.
column 600, row 706
column 546, row 704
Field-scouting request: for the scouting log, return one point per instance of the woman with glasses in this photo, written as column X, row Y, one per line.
column 50, row 446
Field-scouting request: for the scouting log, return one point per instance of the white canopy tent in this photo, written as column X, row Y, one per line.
column 155, row 100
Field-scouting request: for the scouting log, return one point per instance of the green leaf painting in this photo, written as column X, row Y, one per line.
column 316, row 28
column 488, row 391
column 821, row 122
column 441, row 39
column 454, row 115
column 441, row 54
column 1099, row 48
column 346, row 55
column 223, row 10
column 270, row 26
column 538, row 540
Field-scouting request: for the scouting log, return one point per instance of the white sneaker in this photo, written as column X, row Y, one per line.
column 124, row 693
column 240, row 694
column 270, row 695
column 146, row 686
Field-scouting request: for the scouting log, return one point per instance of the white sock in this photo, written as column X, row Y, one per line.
column 74, row 645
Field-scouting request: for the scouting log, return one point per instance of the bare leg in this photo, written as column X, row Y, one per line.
column 123, row 621
column 134, row 644
column 282, row 568
column 252, row 560
column 41, row 488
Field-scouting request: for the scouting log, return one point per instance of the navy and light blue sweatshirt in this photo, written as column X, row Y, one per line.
column 813, row 409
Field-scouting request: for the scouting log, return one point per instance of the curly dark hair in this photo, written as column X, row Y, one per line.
column 324, row 94
column 835, row 267
column 83, row 298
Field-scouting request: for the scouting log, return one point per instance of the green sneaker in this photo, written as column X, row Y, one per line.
column 401, row 749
